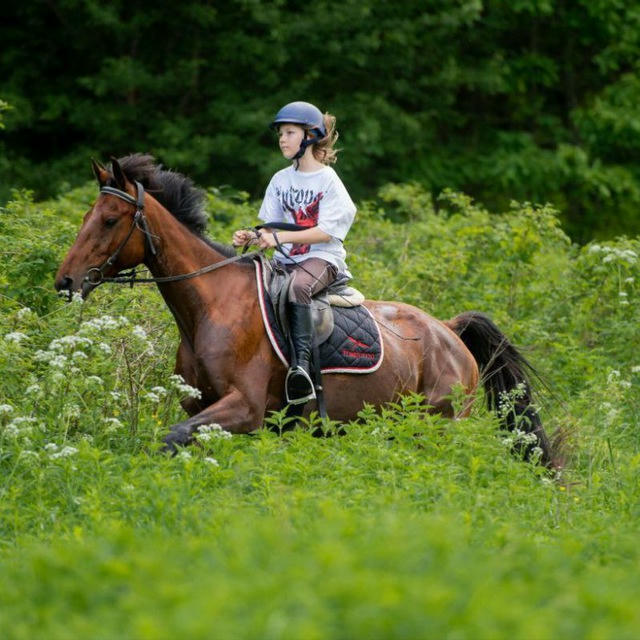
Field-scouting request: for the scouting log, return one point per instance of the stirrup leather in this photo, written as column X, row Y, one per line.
column 299, row 371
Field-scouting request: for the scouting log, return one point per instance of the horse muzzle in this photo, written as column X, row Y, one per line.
column 65, row 285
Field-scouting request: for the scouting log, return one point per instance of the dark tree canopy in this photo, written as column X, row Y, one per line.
column 527, row 99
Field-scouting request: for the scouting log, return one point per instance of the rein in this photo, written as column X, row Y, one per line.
column 95, row 275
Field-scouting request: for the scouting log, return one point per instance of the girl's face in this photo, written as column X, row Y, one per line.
column 290, row 137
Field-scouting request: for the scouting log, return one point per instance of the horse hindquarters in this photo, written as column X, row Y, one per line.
column 504, row 373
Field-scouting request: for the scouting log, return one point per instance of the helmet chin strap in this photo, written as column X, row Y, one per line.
column 306, row 142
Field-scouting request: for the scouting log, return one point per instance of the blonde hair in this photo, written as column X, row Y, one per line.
column 323, row 150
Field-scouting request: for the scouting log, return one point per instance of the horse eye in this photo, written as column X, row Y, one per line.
column 110, row 222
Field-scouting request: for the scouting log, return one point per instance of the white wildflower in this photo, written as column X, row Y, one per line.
column 5, row 408
column 95, row 380
column 595, row 248
column 613, row 375
column 635, row 368
column 622, row 294
column 27, row 453
column 51, row 446
column 11, row 429
column 112, row 424
column 184, row 455
column 23, row 313
column 65, row 452
column 182, row 387
column 43, row 356
column 160, row 391
column 104, row 323
column 76, row 297
column 70, row 342
column 16, row 337
column 204, row 428
column 79, row 355
column 139, row 332
column 152, row 397
column 517, row 436
column 213, row 430
column 32, row 389
column 625, row 384
column 630, row 280
column 58, row 361
column 212, row 461
column 20, row 420
column 72, row 410
column 116, row 395
column 535, row 454
column 104, row 347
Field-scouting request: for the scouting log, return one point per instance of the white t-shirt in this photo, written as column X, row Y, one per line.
column 315, row 198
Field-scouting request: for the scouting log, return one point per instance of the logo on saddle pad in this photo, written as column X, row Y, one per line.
column 350, row 353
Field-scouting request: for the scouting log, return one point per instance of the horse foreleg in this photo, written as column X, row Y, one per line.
column 233, row 412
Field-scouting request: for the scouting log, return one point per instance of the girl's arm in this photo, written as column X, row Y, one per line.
column 313, row 235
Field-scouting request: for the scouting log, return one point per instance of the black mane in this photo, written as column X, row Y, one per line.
column 175, row 192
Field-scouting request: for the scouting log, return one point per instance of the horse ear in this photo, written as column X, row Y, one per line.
column 118, row 174
column 101, row 174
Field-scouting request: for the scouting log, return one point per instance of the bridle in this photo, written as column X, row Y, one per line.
column 95, row 275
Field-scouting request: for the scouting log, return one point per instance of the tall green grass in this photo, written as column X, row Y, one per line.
column 407, row 526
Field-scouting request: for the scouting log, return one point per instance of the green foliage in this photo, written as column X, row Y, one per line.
column 534, row 100
column 407, row 526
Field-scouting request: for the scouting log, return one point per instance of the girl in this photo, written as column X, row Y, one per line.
column 308, row 193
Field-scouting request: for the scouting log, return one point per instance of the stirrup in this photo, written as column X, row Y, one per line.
column 299, row 371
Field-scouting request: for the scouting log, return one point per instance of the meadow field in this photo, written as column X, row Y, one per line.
column 408, row 526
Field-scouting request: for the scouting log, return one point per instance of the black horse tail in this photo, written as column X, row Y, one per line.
column 504, row 374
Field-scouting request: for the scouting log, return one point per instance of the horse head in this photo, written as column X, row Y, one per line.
column 110, row 238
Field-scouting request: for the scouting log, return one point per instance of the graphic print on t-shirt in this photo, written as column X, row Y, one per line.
column 304, row 207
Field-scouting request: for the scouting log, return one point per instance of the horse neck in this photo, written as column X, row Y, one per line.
column 179, row 251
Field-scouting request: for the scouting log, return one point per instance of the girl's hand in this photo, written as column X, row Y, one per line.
column 266, row 240
column 243, row 237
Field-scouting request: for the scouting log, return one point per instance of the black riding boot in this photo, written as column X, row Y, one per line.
column 299, row 386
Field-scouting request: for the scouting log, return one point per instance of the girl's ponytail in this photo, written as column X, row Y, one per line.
column 323, row 150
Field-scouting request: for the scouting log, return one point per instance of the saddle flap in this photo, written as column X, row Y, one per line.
column 322, row 319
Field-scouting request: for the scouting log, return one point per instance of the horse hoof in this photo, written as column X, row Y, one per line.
column 174, row 440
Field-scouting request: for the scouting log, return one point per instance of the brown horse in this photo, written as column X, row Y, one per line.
column 224, row 350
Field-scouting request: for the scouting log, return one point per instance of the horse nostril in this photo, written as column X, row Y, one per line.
column 64, row 283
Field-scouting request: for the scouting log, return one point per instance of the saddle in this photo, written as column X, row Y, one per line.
column 276, row 281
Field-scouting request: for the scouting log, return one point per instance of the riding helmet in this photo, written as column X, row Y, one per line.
column 302, row 113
